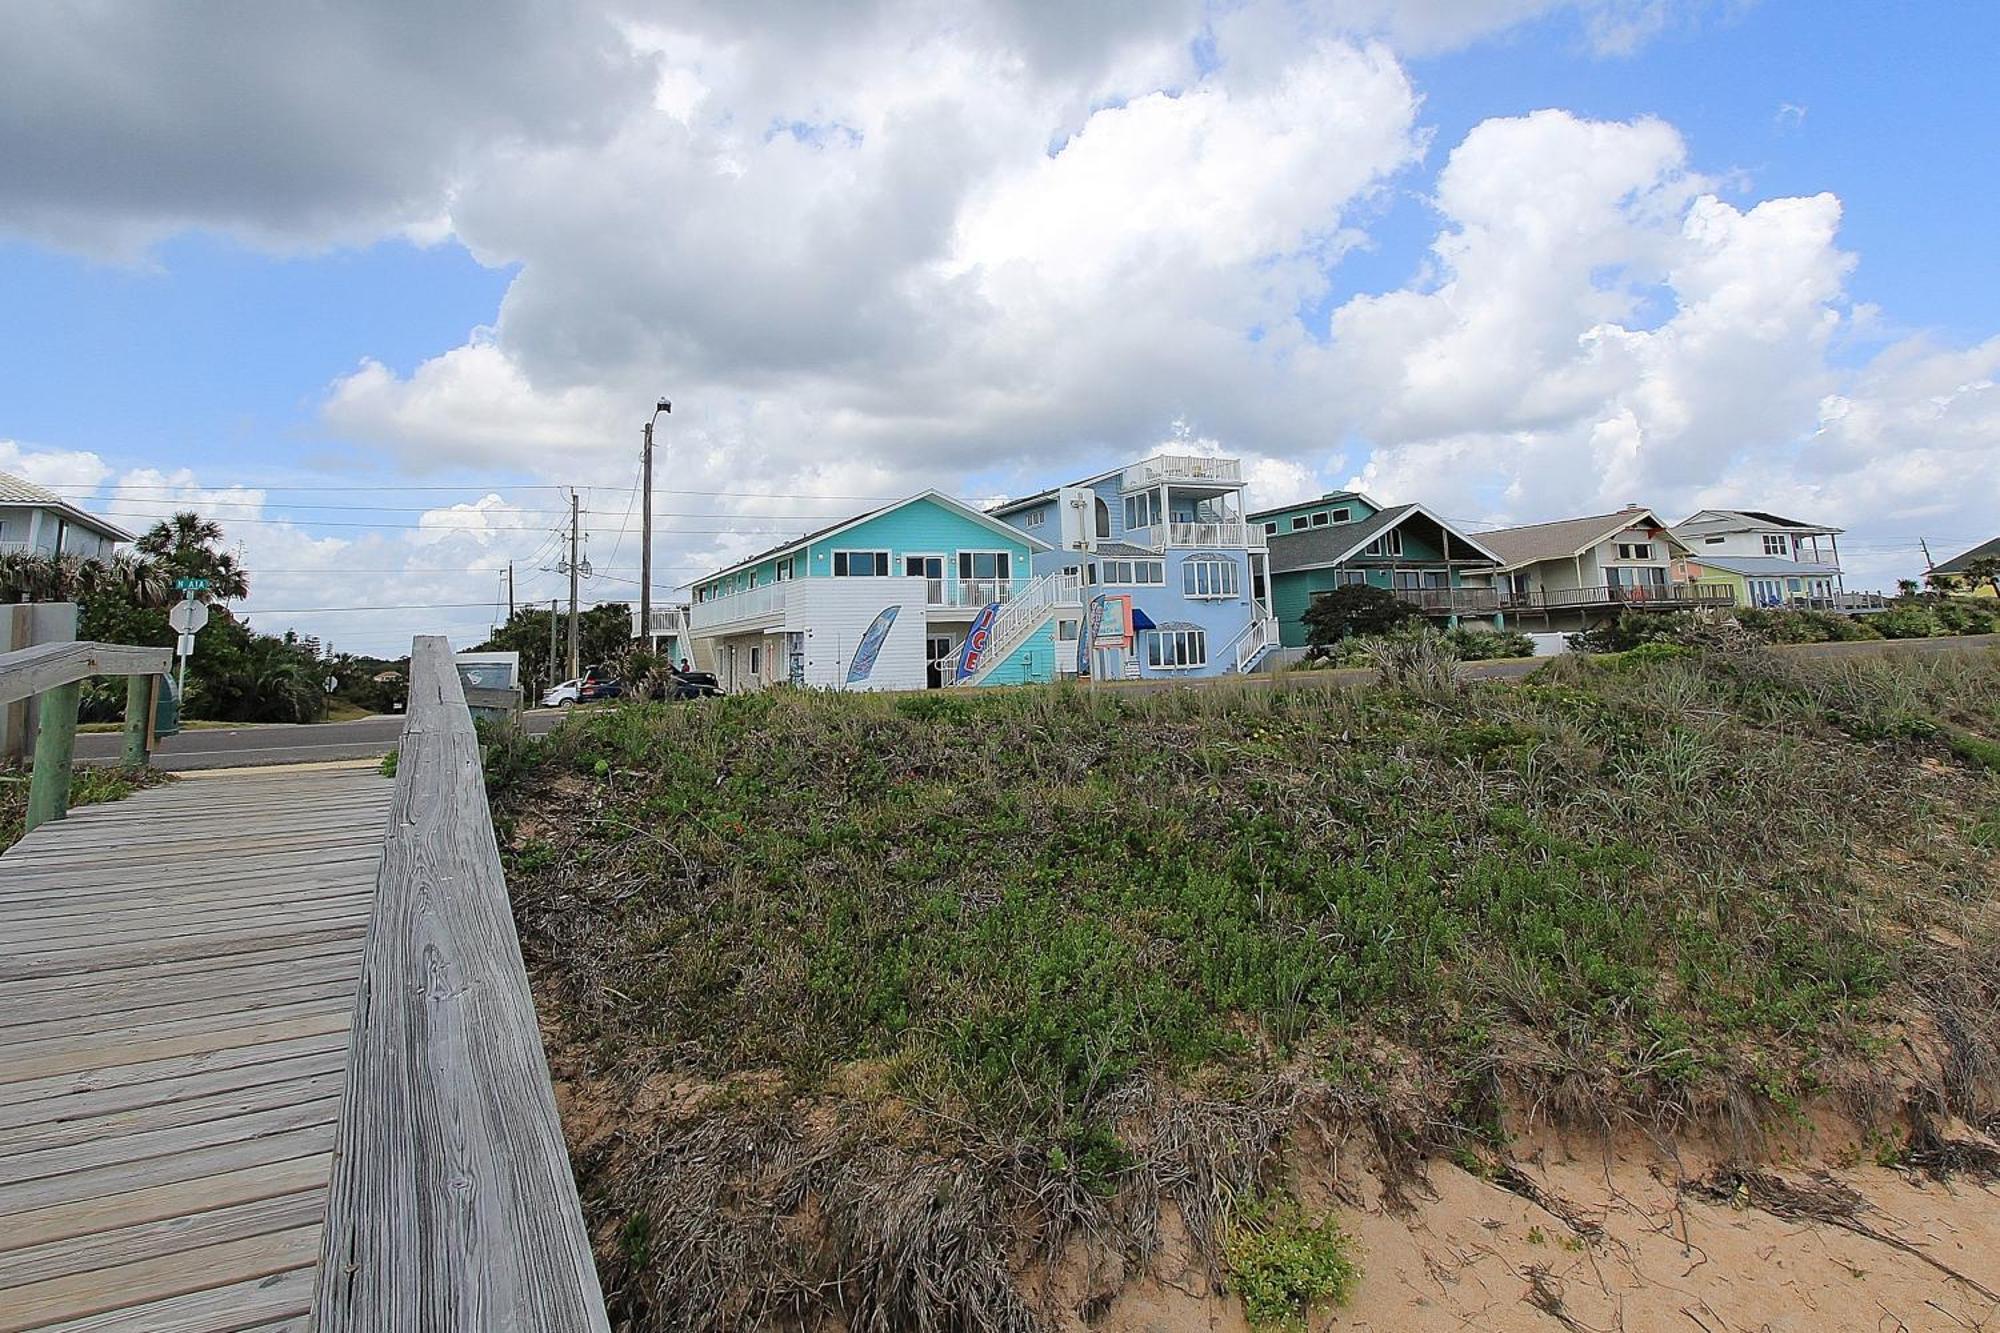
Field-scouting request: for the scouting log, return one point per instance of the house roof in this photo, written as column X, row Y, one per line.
column 20, row 491
column 1763, row 566
column 984, row 520
column 1565, row 538
column 1746, row 520
column 1009, row 506
column 1957, row 564
column 1318, row 548
column 1333, row 497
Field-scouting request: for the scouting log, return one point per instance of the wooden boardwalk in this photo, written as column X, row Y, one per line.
column 177, row 982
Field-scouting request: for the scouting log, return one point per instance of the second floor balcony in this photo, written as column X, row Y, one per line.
column 765, row 607
column 1231, row 533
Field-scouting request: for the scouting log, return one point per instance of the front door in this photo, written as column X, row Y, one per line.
column 937, row 652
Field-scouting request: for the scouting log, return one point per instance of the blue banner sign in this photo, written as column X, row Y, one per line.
column 977, row 640
column 871, row 646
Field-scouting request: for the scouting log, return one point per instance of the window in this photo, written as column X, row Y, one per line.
column 1176, row 649
column 1035, row 518
column 1135, row 573
column 1299, row 523
column 1776, row 543
column 983, row 564
column 860, row 564
column 1321, row 519
column 1271, row 529
column 756, row 659
column 1342, row 515
column 788, row 568
column 1142, row 510
column 1068, row 630
column 1389, row 543
column 1713, row 541
column 1404, row 579
column 1209, row 578
column 1635, row 550
column 923, row 566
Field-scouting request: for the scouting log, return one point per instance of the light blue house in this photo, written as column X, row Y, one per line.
column 881, row 601
column 1170, row 534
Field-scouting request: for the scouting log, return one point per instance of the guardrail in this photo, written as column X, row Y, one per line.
column 56, row 672
column 1640, row 596
column 452, row 1205
column 751, row 604
column 1190, row 469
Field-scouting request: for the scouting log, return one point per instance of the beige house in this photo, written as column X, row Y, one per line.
column 1572, row 573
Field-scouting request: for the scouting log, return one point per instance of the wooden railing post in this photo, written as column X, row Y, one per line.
column 55, row 754
column 138, row 720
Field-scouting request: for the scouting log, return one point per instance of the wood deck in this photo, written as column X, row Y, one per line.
column 177, row 984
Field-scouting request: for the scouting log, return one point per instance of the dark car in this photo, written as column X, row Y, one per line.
column 599, row 687
column 691, row 685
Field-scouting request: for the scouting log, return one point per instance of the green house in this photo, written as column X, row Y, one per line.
column 1344, row 538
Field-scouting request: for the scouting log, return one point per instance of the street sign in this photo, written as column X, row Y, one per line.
column 184, row 647
column 191, row 585
column 330, row 684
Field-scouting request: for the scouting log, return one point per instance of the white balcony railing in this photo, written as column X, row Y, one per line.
column 737, row 608
column 971, row 594
column 1258, row 635
column 1227, row 533
column 1024, row 614
column 667, row 620
column 1182, row 470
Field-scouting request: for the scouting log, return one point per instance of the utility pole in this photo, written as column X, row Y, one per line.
column 510, row 590
column 646, row 531
column 575, row 665
column 553, row 618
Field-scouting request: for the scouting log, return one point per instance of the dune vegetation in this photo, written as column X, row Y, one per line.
column 958, row 1010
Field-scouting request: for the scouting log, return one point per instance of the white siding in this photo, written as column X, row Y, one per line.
column 834, row 613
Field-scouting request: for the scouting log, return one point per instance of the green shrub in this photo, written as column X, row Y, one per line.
column 1908, row 622
column 1964, row 618
column 1284, row 1266
column 1355, row 609
column 1483, row 645
column 1775, row 625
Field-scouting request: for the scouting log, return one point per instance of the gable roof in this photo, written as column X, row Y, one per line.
column 1566, row 538
column 1331, row 497
column 1737, row 520
column 1336, row 544
column 832, row 529
column 20, row 491
column 1009, row 506
column 1957, row 564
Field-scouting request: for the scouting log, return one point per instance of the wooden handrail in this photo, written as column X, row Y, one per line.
column 26, row 672
column 452, row 1206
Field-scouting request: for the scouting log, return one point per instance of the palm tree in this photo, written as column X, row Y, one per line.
column 189, row 546
column 144, row 582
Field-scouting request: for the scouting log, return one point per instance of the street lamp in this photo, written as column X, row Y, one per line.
column 646, row 529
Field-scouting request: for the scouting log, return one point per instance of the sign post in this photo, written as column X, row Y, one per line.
column 187, row 617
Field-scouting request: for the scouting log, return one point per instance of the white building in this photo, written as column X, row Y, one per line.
column 36, row 520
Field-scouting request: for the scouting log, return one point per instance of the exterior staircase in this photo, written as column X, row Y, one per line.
column 1253, row 646
column 1023, row 614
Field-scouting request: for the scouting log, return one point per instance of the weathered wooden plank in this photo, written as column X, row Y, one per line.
column 136, row 1016
column 87, row 1002
column 163, row 1094
column 26, row 990
column 134, row 1048
column 29, row 1197
column 60, row 962
column 151, row 1202
column 73, row 936
column 452, row 1205
column 160, row 1278
column 170, row 1235
column 142, row 1145
column 237, row 1308
column 72, row 1129
column 26, row 672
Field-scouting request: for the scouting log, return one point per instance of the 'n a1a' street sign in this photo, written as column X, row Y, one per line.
column 191, row 585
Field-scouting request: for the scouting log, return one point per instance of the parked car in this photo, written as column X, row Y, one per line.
column 595, row 683
column 692, row 685
column 563, row 695
column 595, row 688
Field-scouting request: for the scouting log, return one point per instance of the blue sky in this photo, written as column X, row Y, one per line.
column 280, row 300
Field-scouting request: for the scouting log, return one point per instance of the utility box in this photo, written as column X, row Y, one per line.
column 166, row 707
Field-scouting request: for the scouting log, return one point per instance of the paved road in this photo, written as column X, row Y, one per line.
column 229, row 747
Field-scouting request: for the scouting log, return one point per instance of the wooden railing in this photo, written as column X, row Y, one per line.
column 56, row 672
column 1640, row 596
column 452, row 1206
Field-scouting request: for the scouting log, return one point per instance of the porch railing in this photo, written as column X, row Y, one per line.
column 1639, row 596
column 1228, row 533
column 971, row 593
column 55, row 672
column 753, row 604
